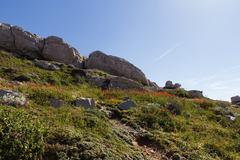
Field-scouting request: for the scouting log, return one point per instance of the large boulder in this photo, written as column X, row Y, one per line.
column 9, row 97
column 110, row 81
column 15, row 39
column 115, row 66
column 6, row 37
column 170, row 85
column 26, row 43
column 55, row 49
column 235, row 100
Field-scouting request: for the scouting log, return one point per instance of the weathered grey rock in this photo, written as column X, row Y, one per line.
column 46, row 65
column 126, row 105
column 124, row 83
column 195, row 94
column 85, row 102
column 170, row 85
column 235, row 100
column 6, row 37
column 115, row 66
column 55, row 49
column 26, row 43
column 56, row 103
column 9, row 97
column 114, row 82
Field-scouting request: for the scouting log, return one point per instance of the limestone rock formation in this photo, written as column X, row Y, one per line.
column 115, row 66
column 26, row 44
column 6, row 37
column 56, row 49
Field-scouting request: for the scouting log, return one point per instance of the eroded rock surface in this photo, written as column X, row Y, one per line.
column 115, row 66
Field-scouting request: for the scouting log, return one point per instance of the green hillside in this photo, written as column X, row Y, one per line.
column 194, row 129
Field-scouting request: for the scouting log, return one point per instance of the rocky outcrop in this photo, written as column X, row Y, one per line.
column 235, row 100
column 115, row 66
column 56, row 49
column 22, row 43
column 6, row 37
column 26, row 44
column 170, row 85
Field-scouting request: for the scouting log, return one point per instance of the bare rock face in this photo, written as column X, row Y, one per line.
column 15, row 39
column 26, row 43
column 115, row 66
column 55, row 49
column 6, row 37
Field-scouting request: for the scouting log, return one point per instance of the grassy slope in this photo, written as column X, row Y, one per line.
column 39, row 130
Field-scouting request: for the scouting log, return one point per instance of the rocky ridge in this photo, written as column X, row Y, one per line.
column 22, row 43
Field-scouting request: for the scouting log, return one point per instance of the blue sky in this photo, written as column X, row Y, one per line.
column 193, row 42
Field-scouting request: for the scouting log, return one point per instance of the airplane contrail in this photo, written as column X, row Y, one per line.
column 167, row 52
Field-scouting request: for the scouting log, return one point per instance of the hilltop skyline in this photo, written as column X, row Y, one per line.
column 193, row 43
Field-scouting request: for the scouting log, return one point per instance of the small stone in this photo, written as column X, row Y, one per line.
column 126, row 105
column 56, row 103
column 85, row 102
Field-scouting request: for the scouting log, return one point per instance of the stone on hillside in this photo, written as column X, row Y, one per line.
column 174, row 109
column 56, row 103
column 9, row 97
column 6, row 37
column 235, row 100
column 110, row 81
column 56, row 49
column 127, row 104
column 195, row 94
column 22, row 78
column 26, row 43
column 46, row 65
column 115, row 66
column 124, row 83
column 85, row 102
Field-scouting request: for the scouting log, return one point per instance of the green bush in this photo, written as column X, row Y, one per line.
column 21, row 135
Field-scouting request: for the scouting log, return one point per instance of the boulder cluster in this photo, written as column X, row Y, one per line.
column 122, row 74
